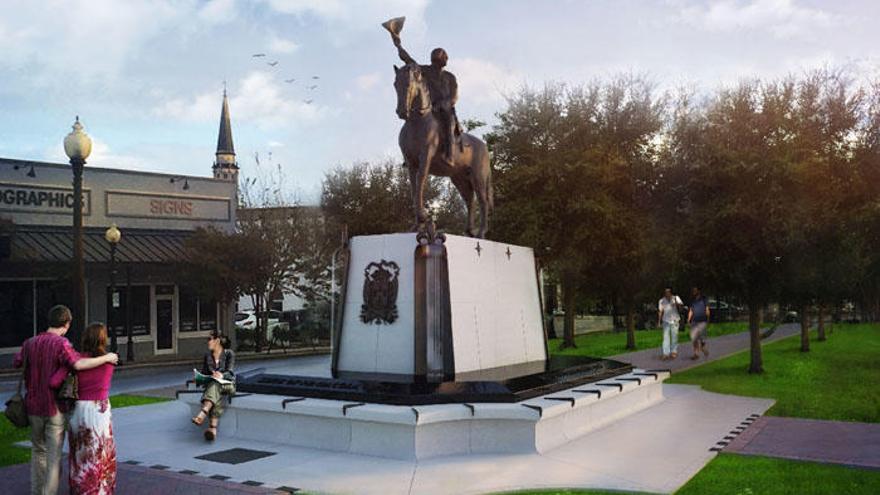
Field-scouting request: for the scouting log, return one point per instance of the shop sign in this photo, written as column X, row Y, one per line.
column 169, row 206
column 26, row 198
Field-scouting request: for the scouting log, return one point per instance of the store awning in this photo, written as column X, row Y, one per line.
column 55, row 244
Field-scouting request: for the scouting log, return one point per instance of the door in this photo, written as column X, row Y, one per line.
column 164, row 325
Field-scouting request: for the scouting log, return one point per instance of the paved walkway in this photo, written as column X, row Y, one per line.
column 837, row 442
column 655, row 450
column 719, row 347
column 140, row 481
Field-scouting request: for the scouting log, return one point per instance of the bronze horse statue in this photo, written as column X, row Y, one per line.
column 420, row 139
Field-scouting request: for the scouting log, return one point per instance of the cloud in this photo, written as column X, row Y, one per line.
column 365, row 82
column 218, row 11
column 281, row 45
column 481, row 81
column 257, row 98
column 353, row 14
column 101, row 156
column 782, row 18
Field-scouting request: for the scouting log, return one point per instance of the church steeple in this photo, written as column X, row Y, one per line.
column 225, row 166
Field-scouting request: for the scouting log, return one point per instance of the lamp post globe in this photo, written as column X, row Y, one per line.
column 113, row 236
column 78, row 146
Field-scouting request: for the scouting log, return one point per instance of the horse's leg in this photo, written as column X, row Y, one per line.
column 414, row 192
column 465, row 188
column 480, row 178
column 425, row 158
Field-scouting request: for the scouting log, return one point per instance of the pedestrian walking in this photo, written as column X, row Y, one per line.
column 43, row 357
column 669, row 316
column 698, row 319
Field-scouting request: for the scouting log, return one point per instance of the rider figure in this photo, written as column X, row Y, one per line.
column 444, row 91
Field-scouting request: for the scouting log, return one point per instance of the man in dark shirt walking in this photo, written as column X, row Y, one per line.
column 44, row 355
column 698, row 319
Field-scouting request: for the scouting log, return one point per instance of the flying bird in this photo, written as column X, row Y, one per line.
column 288, row 81
column 272, row 64
column 258, row 55
column 313, row 86
column 316, row 77
column 308, row 102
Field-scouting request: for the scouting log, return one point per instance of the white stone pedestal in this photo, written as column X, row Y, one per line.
column 421, row 432
column 484, row 294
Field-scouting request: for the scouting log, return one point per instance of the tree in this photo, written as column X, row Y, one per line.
column 736, row 174
column 376, row 199
column 293, row 242
column 573, row 178
column 220, row 265
column 823, row 258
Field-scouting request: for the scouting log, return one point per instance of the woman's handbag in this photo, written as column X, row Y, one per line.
column 16, row 412
column 69, row 389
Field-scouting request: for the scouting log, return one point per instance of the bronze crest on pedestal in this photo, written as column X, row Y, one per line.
column 380, row 292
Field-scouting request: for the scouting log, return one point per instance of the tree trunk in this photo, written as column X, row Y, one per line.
column 821, row 322
column 568, row 301
column 756, row 364
column 630, row 326
column 259, row 324
column 805, row 328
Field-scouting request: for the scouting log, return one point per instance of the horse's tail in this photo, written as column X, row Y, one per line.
column 490, row 193
column 490, row 187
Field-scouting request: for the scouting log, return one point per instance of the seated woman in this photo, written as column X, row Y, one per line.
column 219, row 363
column 92, row 458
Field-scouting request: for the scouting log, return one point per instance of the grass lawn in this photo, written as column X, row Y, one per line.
column 836, row 380
column 732, row 474
column 10, row 435
column 741, row 475
column 603, row 344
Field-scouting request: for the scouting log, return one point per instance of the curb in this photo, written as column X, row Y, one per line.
column 245, row 356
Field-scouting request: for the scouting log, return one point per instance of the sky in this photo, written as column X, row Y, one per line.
column 147, row 77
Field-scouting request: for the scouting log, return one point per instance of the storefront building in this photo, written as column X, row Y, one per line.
column 155, row 213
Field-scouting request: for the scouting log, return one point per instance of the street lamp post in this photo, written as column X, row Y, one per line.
column 113, row 236
column 78, row 146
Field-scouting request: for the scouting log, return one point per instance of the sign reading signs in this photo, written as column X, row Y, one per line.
column 169, row 206
column 28, row 198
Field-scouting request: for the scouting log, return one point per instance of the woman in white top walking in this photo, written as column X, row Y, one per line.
column 668, row 315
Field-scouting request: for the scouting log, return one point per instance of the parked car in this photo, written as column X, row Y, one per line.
column 247, row 321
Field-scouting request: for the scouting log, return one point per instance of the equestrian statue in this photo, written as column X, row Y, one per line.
column 431, row 139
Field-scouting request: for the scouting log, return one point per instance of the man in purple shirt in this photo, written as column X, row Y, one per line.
column 46, row 354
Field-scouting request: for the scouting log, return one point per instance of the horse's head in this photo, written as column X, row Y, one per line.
column 411, row 90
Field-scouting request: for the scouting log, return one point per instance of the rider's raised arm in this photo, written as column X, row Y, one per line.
column 405, row 56
column 401, row 52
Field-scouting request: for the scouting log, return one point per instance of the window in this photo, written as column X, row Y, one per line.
column 188, row 311
column 140, row 310
column 16, row 312
column 50, row 293
column 196, row 313
column 207, row 314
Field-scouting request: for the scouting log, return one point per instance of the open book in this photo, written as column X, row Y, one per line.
column 202, row 379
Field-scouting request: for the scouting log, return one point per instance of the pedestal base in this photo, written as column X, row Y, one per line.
column 421, row 432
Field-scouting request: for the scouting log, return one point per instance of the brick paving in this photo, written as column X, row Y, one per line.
column 836, row 442
column 139, row 480
column 719, row 347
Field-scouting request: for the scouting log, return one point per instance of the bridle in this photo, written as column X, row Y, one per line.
column 414, row 89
